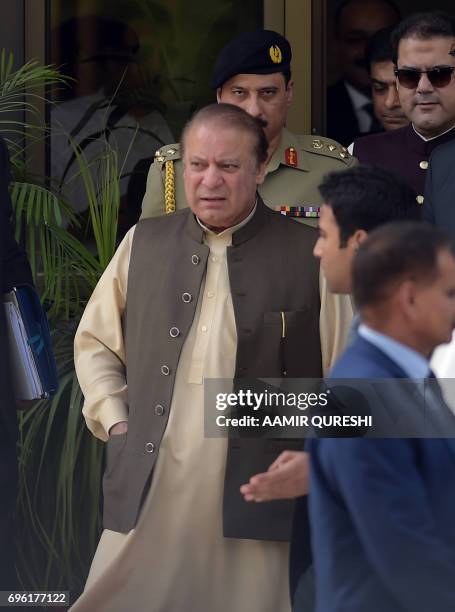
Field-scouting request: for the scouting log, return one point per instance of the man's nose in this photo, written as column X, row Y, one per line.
column 424, row 84
column 317, row 248
column 253, row 107
column 212, row 177
column 392, row 100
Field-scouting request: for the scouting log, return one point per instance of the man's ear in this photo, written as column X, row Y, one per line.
column 218, row 95
column 260, row 173
column 406, row 295
column 361, row 235
column 357, row 238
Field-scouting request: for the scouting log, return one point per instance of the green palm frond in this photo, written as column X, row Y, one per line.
column 100, row 177
column 65, row 265
column 29, row 76
column 22, row 90
column 60, row 461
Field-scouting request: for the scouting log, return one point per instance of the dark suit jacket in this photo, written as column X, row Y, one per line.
column 342, row 124
column 381, row 513
column 439, row 206
column 14, row 269
column 401, row 151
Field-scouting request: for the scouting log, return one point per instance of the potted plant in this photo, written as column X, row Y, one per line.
column 59, row 460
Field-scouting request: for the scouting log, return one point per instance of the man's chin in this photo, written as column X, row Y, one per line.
column 395, row 123
column 212, row 209
column 212, row 220
column 427, row 117
column 336, row 287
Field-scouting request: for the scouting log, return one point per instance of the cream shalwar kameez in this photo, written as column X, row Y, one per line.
column 176, row 559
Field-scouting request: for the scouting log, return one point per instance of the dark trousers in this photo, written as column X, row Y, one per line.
column 8, row 494
column 305, row 595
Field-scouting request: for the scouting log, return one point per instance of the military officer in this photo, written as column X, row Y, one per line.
column 253, row 71
column 424, row 67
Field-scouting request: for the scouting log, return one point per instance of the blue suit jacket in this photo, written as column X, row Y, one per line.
column 382, row 513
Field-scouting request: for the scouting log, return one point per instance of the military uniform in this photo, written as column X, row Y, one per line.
column 404, row 152
column 298, row 164
column 291, row 185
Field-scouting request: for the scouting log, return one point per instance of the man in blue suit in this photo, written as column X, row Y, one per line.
column 382, row 510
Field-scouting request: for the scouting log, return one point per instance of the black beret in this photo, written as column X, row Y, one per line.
column 259, row 52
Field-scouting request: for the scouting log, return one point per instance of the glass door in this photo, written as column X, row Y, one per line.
column 138, row 70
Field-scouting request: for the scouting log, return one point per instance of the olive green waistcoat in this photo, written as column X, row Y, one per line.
column 271, row 270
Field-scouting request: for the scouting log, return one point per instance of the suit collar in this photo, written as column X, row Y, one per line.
column 425, row 147
column 193, row 228
column 246, row 232
column 259, row 219
column 409, row 360
column 364, row 346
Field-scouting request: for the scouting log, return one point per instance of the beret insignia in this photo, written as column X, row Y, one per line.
column 275, row 54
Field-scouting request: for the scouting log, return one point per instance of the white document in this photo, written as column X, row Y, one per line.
column 26, row 381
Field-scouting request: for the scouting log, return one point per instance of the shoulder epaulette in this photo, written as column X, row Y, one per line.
column 169, row 152
column 320, row 145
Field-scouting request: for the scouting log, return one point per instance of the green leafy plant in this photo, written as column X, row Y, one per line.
column 60, row 461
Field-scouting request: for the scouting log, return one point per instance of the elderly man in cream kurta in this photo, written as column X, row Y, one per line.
column 176, row 558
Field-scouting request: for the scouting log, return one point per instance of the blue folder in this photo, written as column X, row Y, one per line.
column 33, row 319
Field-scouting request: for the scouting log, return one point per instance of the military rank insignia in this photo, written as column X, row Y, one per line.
column 290, row 155
column 275, row 54
column 307, row 212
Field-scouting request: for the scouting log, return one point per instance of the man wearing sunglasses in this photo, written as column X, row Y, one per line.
column 424, row 67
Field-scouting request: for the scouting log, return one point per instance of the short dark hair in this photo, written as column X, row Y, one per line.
column 392, row 254
column 379, row 48
column 229, row 115
column 364, row 197
column 423, row 26
column 340, row 8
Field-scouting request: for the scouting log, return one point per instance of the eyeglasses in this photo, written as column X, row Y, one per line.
column 439, row 76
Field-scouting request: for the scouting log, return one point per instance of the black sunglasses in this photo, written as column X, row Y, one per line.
column 439, row 76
